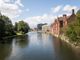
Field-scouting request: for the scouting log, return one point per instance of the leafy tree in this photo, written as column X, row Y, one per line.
column 2, row 29
column 22, row 26
column 6, row 27
column 16, row 26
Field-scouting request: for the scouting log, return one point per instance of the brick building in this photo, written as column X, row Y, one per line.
column 61, row 22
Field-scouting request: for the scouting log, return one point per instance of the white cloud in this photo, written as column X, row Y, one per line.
column 12, row 10
column 45, row 18
column 6, row 0
column 68, row 8
column 19, row 3
column 49, row 18
column 56, row 9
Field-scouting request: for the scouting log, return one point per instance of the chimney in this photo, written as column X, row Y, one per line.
column 64, row 15
column 73, row 11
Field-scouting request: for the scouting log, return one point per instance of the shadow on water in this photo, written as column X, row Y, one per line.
column 22, row 41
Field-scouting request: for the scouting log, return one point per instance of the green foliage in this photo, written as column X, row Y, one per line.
column 6, row 27
column 73, row 30
column 16, row 26
column 71, row 33
column 2, row 27
column 78, row 13
column 22, row 27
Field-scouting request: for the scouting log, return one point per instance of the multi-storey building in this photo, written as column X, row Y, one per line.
column 61, row 22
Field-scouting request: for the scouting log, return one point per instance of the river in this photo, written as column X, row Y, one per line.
column 36, row 46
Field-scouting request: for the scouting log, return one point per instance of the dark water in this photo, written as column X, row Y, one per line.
column 36, row 46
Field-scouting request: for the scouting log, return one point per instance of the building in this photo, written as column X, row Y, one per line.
column 61, row 22
column 39, row 26
column 45, row 28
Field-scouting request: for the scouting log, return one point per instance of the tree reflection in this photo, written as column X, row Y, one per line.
column 22, row 41
column 5, row 49
column 6, row 40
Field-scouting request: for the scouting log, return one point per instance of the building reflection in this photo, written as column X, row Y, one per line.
column 43, row 39
column 63, row 51
column 39, row 36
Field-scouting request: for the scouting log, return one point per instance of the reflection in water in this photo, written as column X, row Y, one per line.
column 36, row 46
column 22, row 41
column 63, row 51
column 19, row 43
column 43, row 39
column 5, row 49
column 39, row 36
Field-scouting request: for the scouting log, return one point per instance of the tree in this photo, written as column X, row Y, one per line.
column 22, row 26
column 9, row 30
column 6, row 27
column 2, row 29
column 16, row 26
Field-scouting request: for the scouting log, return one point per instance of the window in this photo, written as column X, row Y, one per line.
column 61, row 24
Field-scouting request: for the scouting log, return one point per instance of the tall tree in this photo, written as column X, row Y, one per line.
column 2, row 27
column 6, row 26
column 16, row 26
column 22, row 27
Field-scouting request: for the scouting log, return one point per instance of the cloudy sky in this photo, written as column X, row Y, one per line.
column 37, row 11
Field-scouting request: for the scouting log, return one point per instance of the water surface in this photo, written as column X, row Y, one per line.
column 36, row 46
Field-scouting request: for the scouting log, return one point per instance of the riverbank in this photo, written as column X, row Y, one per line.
column 13, row 36
column 73, row 44
column 65, row 39
column 7, row 39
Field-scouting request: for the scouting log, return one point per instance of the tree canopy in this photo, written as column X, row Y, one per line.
column 22, row 26
column 6, row 27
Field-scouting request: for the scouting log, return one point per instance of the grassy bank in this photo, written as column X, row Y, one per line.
column 72, row 43
column 66, row 39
